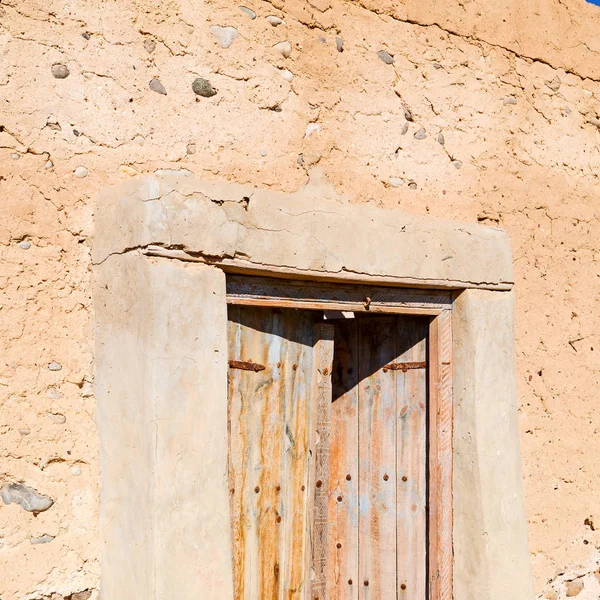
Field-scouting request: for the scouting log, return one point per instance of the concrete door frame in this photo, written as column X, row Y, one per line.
column 162, row 244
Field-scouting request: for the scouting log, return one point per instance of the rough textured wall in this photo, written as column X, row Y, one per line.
column 479, row 111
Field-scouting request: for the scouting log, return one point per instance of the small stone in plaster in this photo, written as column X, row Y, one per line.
column 287, row 75
column 128, row 170
column 85, row 35
column 284, row 48
column 312, row 128
column 191, row 149
column 509, row 100
column 407, row 114
column 594, row 121
column 275, row 21
column 588, row 93
column 156, row 86
column 404, row 129
column 248, row 11
column 76, row 470
column 574, row 588
column 339, row 44
column 149, row 45
column 15, row 156
column 554, row 84
column 81, row 172
column 43, row 539
column 60, row 71
column 441, row 140
column 53, row 393
column 49, row 164
column 300, row 160
column 25, row 245
column 457, row 164
column 57, row 418
column 203, row 88
column 421, row 134
column 412, row 185
column 436, row 66
column 263, row 153
column 386, row 57
column 24, row 431
column 25, row 497
column 54, row 366
column 224, row 36
column 396, row 181
column 87, row 389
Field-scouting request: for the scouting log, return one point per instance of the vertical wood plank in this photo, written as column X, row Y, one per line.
column 412, row 460
column 342, row 555
column 440, row 457
column 377, row 456
column 269, row 456
column 323, row 361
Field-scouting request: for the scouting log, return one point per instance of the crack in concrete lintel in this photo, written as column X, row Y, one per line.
column 244, row 262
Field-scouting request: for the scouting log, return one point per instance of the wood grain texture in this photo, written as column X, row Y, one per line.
column 377, row 459
column 303, row 294
column 268, row 466
column 323, row 361
column 440, row 458
column 342, row 557
column 412, row 460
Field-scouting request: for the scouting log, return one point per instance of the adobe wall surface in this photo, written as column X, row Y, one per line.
column 488, row 113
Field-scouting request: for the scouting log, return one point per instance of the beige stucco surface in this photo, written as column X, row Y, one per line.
column 491, row 554
column 162, row 420
column 512, row 87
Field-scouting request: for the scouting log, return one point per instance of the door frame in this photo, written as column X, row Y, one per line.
column 279, row 293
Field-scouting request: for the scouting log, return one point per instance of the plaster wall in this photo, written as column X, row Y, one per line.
column 513, row 89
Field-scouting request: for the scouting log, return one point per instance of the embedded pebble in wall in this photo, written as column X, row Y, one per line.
column 76, row 470
column 436, row 66
column 15, row 156
column 156, row 86
column 202, row 87
column 275, row 21
column 594, row 121
column 407, row 114
column 57, row 418
column 87, row 389
column 248, row 11
column 26, row 497
column 25, row 245
column 396, row 181
column 339, row 44
column 43, row 539
column 287, row 75
column 24, row 431
column 224, row 36
column 263, row 153
column 284, row 48
column 509, row 100
column 404, row 129
column 554, row 84
column 81, row 172
column 574, row 588
column 85, row 35
column 421, row 134
column 386, row 57
column 441, row 139
column 60, row 71
column 190, row 149
column 149, row 45
column 53, row 393
column 54, row 366
column 49, row 164
column 457, row 164
column 312, row 128
column 412, row 185
column 300, row 159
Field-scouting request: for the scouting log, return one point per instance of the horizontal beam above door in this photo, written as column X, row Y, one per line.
column 262, row 291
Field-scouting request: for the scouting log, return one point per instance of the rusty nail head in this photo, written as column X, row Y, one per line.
column 349, row 581
column 386, row 477
column 278, row 488
column 366, row 583
column 302, row 488
column 338, row 545
column 404, row 478
column 348, row 477
column 325, row 371
column 319, row 483
column 256, row 490
column 294, row 366
column 339, row 498
column 403, row 587
column 278, row 519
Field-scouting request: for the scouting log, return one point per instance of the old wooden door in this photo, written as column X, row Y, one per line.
column 377, row 533
column 275, row 357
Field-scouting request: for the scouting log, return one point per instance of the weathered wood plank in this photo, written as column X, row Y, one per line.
column 269, row 415
column 324, row 296
column 342, row 556
column 319, row 484
column 412, row 459
column 377, row 456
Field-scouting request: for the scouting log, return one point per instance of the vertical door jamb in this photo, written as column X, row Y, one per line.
column 440, row 457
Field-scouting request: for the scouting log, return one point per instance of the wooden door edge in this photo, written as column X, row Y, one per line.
column 440, row 457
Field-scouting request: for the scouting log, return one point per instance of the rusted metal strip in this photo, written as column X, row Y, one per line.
column 246, row 366
column 404, row 366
